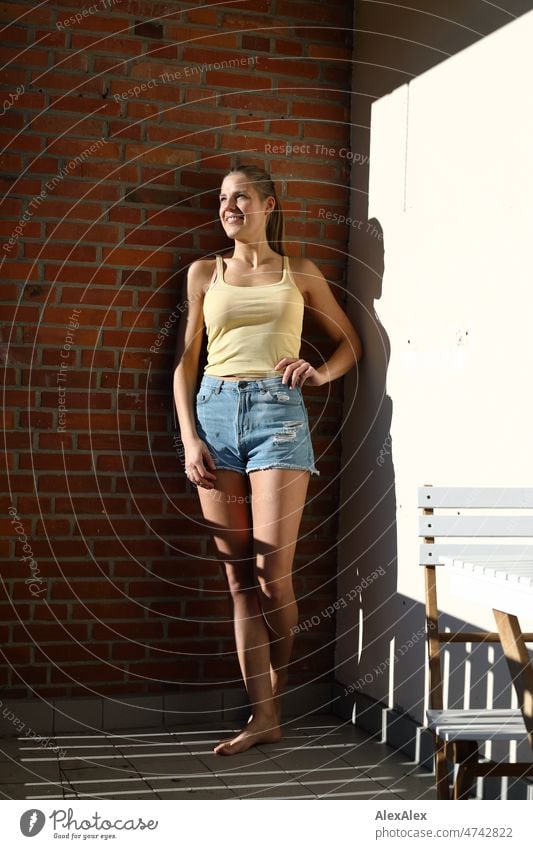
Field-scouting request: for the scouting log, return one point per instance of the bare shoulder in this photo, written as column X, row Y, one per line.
column 199, row 276
column 306, row 274
column 305, row 266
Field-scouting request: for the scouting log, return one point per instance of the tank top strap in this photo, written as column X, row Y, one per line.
column 218, row 273
column 287, row 273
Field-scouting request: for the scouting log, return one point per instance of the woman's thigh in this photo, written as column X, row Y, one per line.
column 278, row 500
column 228, row 518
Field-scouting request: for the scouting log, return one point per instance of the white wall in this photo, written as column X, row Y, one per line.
column 451, row 183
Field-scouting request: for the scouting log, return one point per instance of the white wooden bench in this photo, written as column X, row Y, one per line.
column 458, row 734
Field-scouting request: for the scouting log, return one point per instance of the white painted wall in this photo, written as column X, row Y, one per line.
column 451, row 183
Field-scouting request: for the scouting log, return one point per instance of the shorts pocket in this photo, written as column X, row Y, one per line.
column 284, row 395
column 203, row 396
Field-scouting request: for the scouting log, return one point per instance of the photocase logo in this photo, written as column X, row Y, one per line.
column 32, row 822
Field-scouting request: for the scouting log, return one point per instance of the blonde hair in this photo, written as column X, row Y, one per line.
column 264, row 185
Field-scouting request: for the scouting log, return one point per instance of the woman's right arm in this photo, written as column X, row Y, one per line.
column 190, row 337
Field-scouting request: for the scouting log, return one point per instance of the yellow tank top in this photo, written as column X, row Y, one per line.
column 250, row 328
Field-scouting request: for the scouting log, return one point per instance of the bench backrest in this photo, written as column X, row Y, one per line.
column 473, row 523
column 474, row 527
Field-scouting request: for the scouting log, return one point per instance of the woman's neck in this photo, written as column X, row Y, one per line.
column 253, row 254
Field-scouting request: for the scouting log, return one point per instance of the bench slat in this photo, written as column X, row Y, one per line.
column 467, row 496
column 481, row 725
column 475, row 526
column 432, row 552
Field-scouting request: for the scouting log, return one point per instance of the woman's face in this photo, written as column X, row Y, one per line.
column 242, row 211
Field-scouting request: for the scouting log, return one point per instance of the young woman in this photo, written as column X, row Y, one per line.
column 246, row 433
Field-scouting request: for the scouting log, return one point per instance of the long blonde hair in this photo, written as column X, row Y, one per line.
column 264, row 185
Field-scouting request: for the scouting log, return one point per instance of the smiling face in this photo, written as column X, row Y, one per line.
column 243, row 212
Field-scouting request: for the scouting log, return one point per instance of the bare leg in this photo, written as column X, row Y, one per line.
column 277, row 506
column 230, row 520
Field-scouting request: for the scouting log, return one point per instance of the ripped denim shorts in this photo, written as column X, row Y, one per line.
column 255, row 424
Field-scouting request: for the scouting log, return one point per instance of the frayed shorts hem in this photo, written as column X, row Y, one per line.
column 283, row 466
column 270, row 466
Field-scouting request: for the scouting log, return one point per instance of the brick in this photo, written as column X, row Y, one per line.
column 34, row 15
column 202, row 36
column 288, row 48
column 238, row 80
column 290, row 68
column 79, row 253
column 50, row 123
column 163, row 155
column 130, row 257
column 207, row 16
column 67, row 81
column 148, row 29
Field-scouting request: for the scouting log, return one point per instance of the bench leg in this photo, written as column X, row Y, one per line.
column 466, row 755
column 442, row 783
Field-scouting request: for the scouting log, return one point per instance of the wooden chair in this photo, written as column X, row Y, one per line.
column 459, row 734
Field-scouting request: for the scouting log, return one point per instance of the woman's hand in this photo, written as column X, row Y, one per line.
column 298, row 372
column 197, row 457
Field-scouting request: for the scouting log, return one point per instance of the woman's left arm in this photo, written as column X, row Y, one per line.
column 336, row 325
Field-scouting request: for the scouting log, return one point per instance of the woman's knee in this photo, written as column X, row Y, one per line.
column 276, row 593
column 241, row 579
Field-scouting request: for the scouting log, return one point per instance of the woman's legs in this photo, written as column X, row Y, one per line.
column 227, row 512
column 258, row 566
column 277, row 506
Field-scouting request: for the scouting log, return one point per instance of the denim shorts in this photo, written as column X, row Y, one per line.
column 254, row 424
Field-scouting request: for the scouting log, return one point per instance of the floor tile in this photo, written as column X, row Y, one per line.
column 158, row 764
column 318, row 757
column 286, row 791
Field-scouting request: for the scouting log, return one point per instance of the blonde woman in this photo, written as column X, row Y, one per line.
column 246, row 432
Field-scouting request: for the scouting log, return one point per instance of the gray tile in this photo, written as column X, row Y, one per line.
column 185, row 783
column 16, row 791
column 250, row 761
column 132, row 713
column 245, row 778
column 24, row 771
column 100, row 773
column 197, row 794
column 288, row 791
column 412, row 788
column 189, row 708
column 49, row 793
column 354, row 788
column 371, row 753
column 384, row 795
column 9, row 748
column 122, row 790
column 33, row 715
column 78, row 715
column 320, row 757
column 172, row 765
column 307, row 759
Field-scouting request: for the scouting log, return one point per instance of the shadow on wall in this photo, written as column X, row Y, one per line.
column 416, row 159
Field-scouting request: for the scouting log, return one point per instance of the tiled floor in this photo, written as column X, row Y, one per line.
column 319, row 757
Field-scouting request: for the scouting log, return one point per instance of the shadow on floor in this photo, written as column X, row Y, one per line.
column 319, row 757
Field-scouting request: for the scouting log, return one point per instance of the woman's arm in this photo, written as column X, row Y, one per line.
column 189, row 344
column 336, row 324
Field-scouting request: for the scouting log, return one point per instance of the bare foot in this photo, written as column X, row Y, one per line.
column 264, row 730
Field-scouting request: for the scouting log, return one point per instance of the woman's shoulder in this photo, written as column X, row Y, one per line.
column 301, row 264
column 200, row 274
column 303, row 272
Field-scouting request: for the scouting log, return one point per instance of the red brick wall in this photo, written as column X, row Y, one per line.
column 120, row 591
